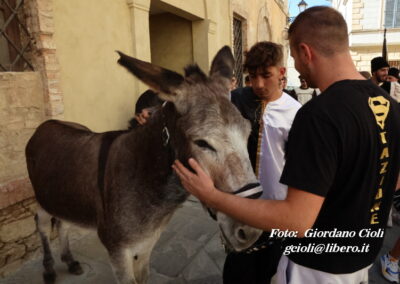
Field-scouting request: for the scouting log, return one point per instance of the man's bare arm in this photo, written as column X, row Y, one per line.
column 297, row 212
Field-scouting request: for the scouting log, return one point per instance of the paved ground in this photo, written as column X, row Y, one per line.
column 189, row 251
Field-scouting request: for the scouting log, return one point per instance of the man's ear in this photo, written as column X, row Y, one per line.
column 305, row 52
column 282, row 71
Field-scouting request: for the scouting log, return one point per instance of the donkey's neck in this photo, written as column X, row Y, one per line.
column 151, row 150
column 152, row 143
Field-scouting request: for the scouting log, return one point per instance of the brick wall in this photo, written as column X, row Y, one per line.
column 18, row 237
column 26, row 99
column 21, row 111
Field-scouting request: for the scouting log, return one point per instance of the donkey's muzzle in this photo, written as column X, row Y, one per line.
column 251, row 190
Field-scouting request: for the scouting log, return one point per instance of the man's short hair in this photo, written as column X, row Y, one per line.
column 263, row 54
column 321, row 27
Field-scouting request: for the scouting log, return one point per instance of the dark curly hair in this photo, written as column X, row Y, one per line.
column 263, row 54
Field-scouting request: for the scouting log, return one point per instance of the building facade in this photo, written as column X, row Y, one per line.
column 58, row 60
column 366, row 21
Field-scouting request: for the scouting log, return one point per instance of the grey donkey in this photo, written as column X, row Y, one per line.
column 121, row 183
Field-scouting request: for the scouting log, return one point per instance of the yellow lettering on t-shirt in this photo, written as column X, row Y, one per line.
column 385, row 153
column 382, row 179
column 374, row 219
column 383, row 137
column 380, row 108
column 376, row 206
column 383, row 168
column 379, row 194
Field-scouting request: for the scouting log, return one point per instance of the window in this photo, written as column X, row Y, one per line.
column 392, row 14
column 15, row 41
column 238, row 50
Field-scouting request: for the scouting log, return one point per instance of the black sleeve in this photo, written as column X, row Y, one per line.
column 386, row 87
column 146, row 100
column 311, row 156
column 294, row 95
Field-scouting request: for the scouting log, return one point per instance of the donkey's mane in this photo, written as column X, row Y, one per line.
column 193, row 72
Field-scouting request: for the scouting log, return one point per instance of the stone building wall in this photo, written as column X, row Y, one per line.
column 26, row 99
column 21, row 111
column 358, row 14
column 367, row 34
column 18, row 237
column 362, row 55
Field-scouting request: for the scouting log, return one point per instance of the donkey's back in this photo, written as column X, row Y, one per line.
column 63, row 161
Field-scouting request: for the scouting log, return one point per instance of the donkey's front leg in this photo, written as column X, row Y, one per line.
column 141, row 268
column 122, row 264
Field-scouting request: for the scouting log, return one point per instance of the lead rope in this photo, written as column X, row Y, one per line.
column 263, row 241
column 260, row 135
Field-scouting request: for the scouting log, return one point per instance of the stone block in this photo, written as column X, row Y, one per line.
column 15, row 125
column 46, row 23
column 10, row 267
column 216, row 251
column 46, row 42
column 15, row 191
column 17, row 230
column 172, row 259
column 30, row 205
column 366, row 57
column 51, row 75
column 11, row 252
column 57, row 108
column 32, row 243
column 202, row 265
column 3, row 140
column 32, row 124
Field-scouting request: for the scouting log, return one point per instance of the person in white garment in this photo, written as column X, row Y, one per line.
column 271, row 113
column 304, row 93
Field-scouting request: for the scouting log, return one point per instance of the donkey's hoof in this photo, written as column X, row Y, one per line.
column 49, row 277
column 75, row 268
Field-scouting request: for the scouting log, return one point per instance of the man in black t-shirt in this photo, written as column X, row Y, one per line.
column 342, row 163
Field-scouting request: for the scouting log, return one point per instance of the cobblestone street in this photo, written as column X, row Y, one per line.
column 189, row 251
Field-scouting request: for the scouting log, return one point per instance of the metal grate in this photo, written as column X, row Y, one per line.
column 15, row 40
column 238, row 50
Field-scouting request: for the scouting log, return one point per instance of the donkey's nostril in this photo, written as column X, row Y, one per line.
column 241, row 234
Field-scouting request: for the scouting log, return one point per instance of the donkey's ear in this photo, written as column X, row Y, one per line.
column 158, row 78
column 223, row 63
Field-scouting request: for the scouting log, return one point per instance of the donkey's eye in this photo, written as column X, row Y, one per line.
column 205, row 145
